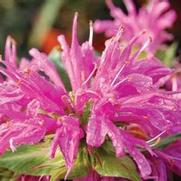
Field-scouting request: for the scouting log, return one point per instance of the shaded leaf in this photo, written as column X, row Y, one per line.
column 81, row 166
column 107, row 164
column 168, row 140
column 170, row 54
column 7, row 175
column 56, row 58
column 167, row 54
column 86, row 113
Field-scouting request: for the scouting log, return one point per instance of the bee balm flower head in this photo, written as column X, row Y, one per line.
column 114, row 98
column 155, row 17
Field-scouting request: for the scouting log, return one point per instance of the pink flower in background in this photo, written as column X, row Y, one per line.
column 155, row 18
column 120, row 86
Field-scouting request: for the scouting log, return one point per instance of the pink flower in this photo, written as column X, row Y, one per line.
column 172, row 156
column 155, row 17
column 68, row 137
column 118, row 87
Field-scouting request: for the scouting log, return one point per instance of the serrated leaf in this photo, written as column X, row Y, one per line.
column 107, row 164
column 168, row 140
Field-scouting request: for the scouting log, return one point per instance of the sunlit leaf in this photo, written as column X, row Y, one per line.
column 31, row 160
column 35, row 160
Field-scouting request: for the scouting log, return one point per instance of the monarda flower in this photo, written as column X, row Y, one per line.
column 115, row 100
column 155, row 17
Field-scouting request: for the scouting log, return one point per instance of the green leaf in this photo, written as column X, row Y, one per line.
column 7, row 175
column 143, row 54
column 86, row 112
column 32, row 160
column 81, row 166
column 56, row 58
column 170, row 54
column 107, row 164
column 168, row 140
column 167, row 54
column 35, row 160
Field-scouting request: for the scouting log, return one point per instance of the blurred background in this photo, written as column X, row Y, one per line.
column 36, row 23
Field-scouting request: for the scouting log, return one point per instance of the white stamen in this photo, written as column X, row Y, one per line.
column 90, row 75
column 174, row 84
column 156, row 137
column 117, row 75
column 145, row 45
column 91, row 32
column 11, row 145
column 67, row 174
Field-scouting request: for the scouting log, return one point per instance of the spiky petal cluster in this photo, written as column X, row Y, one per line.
column 155, row 17
column 121, row 89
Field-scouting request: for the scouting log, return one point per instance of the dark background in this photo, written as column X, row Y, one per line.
column 36, row 23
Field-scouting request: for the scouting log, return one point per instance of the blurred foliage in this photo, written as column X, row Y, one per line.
column 23, row 19
column 16, row 19
column 36, row 23
column 168, row 56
